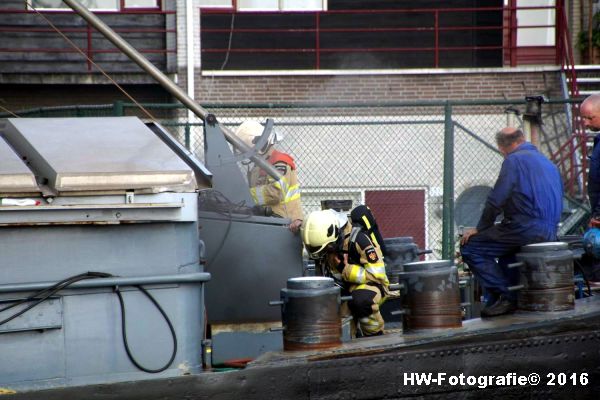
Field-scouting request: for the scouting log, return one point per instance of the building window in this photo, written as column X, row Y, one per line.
column 543, row 18
column 141, row 4
column 216, row 3
column 293, row 5
column 268, row 5
column 100, row 5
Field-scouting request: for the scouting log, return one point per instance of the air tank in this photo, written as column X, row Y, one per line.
column 399, row 251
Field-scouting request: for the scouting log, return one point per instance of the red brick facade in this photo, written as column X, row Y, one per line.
column 290, row 89
column 374, row 88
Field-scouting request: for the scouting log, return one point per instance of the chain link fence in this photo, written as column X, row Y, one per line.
column 415, row 165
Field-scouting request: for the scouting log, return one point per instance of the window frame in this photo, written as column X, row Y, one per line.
column 158, row 6
column 120, row 8
column 235, row 6
column 232, row 6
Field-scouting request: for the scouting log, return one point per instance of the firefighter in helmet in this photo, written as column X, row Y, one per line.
column 282, row 196
column 349, row 255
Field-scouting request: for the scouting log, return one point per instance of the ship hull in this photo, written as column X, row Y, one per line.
column 562, row 348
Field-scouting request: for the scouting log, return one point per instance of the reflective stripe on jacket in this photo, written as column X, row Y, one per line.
column 364, row 261
column 283, row 196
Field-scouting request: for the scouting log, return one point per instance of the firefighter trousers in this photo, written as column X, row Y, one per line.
column 364, row 306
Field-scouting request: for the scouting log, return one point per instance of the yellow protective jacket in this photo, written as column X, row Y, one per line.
column 363, row 261
column 282, row 196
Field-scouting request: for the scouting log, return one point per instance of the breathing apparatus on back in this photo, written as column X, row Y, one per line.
column 363, row 218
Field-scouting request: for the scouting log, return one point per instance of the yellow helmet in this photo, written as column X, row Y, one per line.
column 318, row 230
column 250, row 131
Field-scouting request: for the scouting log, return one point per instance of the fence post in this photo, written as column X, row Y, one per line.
column 448, row 198
column 118, row 108
column 187, row 136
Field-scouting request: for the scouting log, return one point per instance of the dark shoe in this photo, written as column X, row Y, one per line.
column 492, row 298
column 502, row 306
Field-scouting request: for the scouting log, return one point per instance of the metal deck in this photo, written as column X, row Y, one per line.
column 525, row 343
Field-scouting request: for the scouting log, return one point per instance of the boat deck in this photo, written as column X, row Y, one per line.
column 521, row 323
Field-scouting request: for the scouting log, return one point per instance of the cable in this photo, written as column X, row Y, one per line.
column 124, row 331
column 577, row 265
column 72, row 44
column 213, row 200
column 10, row 112
column 43, row 295
column 229, row 42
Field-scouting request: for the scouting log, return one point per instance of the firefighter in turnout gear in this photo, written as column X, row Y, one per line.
column 282, row 196
column 354, row 261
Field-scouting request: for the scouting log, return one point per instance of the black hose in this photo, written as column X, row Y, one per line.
column 124, row 331
column 43, row 295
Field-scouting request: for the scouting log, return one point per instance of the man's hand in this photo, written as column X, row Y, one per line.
column 334, row 258
column 295, row 225
column 594, row 223
column 467, row 234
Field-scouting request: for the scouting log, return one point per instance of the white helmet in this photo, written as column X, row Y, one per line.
column 318, row 230
column 249, row 132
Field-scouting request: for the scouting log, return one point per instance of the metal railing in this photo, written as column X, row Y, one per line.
column 571, row 156
column 84, row 35
column 428, row 36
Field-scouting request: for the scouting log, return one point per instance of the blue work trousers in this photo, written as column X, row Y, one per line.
column 488, row 253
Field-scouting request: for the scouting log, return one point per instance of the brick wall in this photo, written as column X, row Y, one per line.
column 301, row 89
column 371, row 88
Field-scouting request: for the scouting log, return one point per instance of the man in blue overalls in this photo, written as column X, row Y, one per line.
column 590, row 116
column 528, row 192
